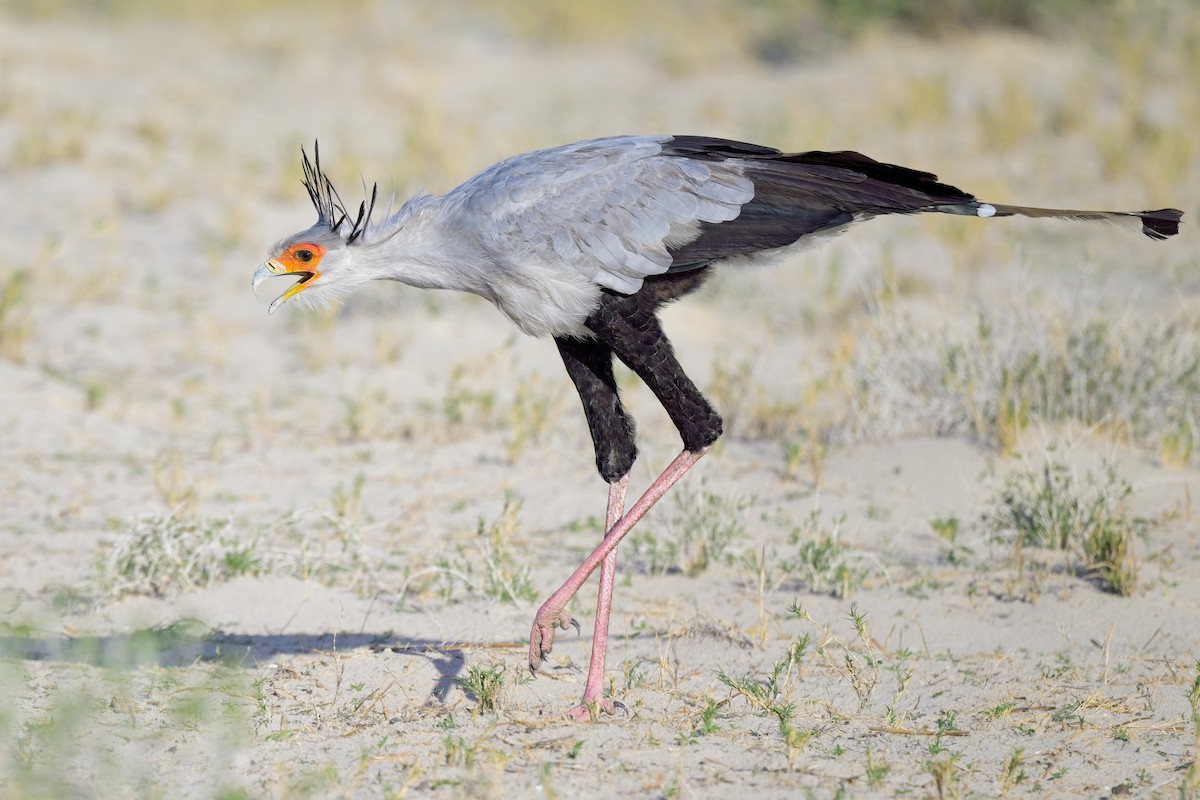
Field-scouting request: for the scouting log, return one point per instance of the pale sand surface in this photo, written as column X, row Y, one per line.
column 146, row 165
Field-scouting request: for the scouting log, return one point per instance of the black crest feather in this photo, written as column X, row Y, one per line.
column 328, row 203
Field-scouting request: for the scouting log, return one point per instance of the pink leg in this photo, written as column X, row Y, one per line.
column 552, row 613
column 593, row 693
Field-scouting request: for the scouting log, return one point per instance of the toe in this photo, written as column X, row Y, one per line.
column 591, row 712
column 541, row 638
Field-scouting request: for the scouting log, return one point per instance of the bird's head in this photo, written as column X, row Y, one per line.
column 322, row 257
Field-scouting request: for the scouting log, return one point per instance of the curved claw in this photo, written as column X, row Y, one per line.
column 591, row 711
column 541, row 638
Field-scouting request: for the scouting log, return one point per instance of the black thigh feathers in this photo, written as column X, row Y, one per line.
column 627, row 326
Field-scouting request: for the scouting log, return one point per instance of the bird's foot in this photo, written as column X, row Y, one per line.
column 591, row 711
column 541, row 638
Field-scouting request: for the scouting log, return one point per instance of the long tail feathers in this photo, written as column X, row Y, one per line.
column 1158, row 225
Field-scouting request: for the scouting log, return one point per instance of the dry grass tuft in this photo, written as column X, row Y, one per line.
column 1135, row 378
column 172, row 554
column 166, row 555
column 1044, row 509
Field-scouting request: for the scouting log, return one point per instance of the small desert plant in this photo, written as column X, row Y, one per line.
column 464, row 407
column 767, row 694
column 484, row 685
column 1012, row 771
column 946, row 723
column 808, row 449
column 507, row 580
column 822, row 561
column 706, row 722
column 702, row 532
column 947, row 529
column 458, row 752
column 1043, row 508
column 771, row 695
column 346, row 502
column 875, row 769
column 945, row 773
column 862, row 668
column 14, row 325
column 708, row 717
column 169, row 554
column 858, row 662
column 999, row 710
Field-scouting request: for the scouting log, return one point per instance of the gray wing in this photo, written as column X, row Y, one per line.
column 613, row 209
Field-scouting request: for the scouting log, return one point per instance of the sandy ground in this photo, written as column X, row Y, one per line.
column 399, row 465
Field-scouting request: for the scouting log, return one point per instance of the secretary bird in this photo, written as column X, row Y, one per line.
column 584, row 243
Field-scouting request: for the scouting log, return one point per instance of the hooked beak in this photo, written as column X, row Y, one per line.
column 273, row 269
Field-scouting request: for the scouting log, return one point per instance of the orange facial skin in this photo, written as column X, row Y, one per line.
column 299, row 259
column 302, row 257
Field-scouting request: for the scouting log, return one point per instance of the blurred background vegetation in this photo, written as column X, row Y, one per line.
column 773, row 30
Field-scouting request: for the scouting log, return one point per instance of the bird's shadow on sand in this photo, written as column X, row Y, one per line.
column 185, row 643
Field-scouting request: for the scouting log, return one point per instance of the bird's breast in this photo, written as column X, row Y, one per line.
column 544, row 300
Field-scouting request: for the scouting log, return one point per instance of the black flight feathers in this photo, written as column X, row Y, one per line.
column 841, row 166
column 1161, row 223
column 328, row 203
column 801, row 194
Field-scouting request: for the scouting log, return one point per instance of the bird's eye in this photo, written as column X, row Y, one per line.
column 304, row 256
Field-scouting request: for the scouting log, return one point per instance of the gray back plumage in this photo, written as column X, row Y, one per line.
column 610, row 208
column 622, row 209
